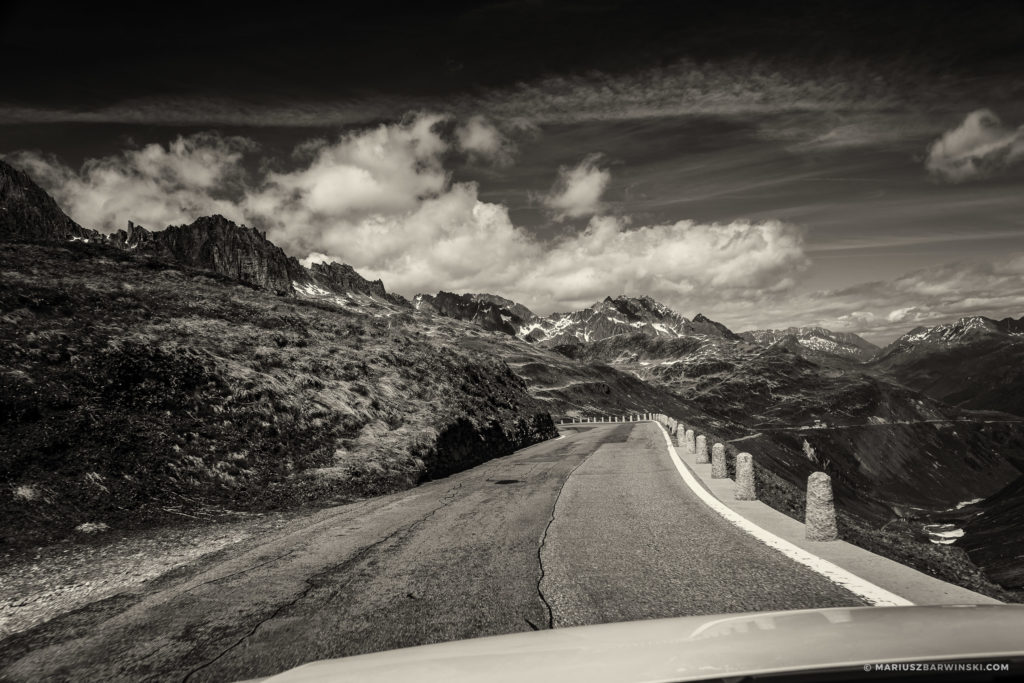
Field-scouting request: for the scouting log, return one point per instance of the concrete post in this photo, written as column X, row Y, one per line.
column 691, row 445
column 718, row 470
column 745, row 487
column 820, row 519
column 702, row 450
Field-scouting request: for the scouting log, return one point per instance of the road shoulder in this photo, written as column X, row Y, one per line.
column 910, row 584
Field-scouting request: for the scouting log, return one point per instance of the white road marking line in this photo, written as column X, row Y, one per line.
column 876, row 595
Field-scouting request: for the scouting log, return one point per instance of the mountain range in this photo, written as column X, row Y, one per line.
column 817, row 341
column 135, row 357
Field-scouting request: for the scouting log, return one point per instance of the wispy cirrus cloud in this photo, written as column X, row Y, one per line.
column 685, row 87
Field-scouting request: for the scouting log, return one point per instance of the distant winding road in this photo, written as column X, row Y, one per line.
column 594, row 527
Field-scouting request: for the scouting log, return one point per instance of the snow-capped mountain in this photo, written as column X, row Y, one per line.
column 622, row 315
column 608, row 318
column 963, row 331
column 619, row 316
column 817, row 339
column 975, row 362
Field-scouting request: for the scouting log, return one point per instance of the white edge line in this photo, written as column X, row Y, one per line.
column 876, row 595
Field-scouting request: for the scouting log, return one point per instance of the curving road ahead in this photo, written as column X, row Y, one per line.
column 593, row 527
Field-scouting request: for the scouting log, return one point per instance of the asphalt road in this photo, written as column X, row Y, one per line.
column 590, row 528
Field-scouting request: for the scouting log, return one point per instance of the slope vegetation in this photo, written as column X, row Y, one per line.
column 134, row 389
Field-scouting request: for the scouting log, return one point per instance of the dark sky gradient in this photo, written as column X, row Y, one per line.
column 817, row 114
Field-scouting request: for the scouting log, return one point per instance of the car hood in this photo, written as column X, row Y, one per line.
column 694, row 648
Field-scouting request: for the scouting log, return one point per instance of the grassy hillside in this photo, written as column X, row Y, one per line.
column 133, row 390
column 986, row 374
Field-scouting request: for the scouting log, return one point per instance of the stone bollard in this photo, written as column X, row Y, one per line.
column 691, row 446
column 718, row 470
column 745, row 488
column 702, row 450
column 820, row 519
column 681, row 436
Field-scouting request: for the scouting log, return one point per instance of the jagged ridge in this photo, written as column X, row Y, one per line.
column 214, row 243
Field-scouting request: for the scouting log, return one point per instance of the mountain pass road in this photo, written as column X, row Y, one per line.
column 593, row 527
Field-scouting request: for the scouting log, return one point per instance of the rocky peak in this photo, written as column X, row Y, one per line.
column 27, row 212
column 622, row 315
column 705, row 325
column 644, row 308
column 217, row 244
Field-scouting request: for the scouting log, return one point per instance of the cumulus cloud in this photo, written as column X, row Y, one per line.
column 685, row 264
column 482, row 140
column 577, row 190
column 381, row 171
column 382, row 200
column 979, row 147
column 155, row 186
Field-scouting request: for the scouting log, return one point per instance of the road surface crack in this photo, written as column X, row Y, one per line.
column 544, row 540
column 250, row 568
column 311, row 580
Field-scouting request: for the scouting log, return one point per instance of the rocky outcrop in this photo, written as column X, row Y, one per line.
column 28, row 213
column 488, row 311
column 214, row 243
column 342, row 278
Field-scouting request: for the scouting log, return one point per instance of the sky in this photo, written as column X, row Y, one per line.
column 853, row 165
